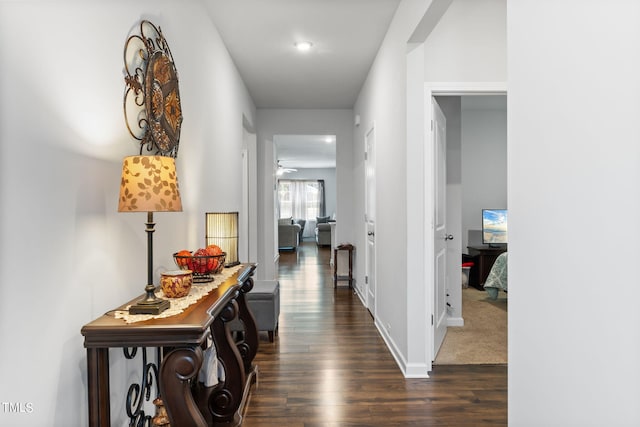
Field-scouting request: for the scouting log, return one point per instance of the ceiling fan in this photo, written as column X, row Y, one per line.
column 282, row 170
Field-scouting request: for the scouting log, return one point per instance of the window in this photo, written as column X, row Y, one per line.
column 300, row 199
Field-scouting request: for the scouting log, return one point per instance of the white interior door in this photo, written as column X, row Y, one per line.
column 370, row 221
column 439, row 135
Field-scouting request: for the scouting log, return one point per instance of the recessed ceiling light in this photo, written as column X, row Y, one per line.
column 303, row 46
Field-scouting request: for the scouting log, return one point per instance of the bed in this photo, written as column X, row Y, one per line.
column 497, row 279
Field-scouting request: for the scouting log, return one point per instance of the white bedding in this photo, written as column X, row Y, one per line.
column 498, row 277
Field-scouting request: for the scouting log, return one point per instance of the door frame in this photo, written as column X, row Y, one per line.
column 249, row 215
column 432, row 89
column 370, row 259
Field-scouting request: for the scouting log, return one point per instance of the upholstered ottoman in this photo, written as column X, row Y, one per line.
column 264, row 302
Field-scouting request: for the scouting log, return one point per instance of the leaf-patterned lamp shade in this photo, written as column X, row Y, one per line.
column 149, row 184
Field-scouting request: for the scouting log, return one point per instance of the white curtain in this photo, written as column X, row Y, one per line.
column 300, row 199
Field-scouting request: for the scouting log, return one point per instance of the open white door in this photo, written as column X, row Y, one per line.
column 370, row 220
column 439, row 136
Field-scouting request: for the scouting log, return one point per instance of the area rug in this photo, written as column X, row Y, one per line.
column 483, row 338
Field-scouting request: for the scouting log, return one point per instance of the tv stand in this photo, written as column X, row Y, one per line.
column 484, row 257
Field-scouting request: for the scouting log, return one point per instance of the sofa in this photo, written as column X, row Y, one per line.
column 288, row 234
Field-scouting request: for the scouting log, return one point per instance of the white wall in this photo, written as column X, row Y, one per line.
column 574, row 181
column 272, row 122
column 484, row 159
column 329, row 177
column 447, row 59
column 382, row 101
column 403, row 169
column 468, row 44
column 67, row 256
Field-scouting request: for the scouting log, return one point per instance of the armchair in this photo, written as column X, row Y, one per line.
column 288, row 235
column 302, row 223
column 323, row 230
column 323, row 234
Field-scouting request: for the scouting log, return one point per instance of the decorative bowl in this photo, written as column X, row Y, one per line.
column 176, row 283
column 203, row 267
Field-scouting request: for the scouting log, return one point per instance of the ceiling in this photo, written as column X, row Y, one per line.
column 260, row 37
column 306, row 151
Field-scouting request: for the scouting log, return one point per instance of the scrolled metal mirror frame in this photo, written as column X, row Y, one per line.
column 152, row 107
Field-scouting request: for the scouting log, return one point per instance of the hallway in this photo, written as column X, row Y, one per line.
column 329, row 366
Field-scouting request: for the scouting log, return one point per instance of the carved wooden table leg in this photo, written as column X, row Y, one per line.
column 98, row 385
column 221, row 403
column 178, row 368
column 248, row 346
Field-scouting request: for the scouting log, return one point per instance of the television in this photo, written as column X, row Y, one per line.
column 494, row 227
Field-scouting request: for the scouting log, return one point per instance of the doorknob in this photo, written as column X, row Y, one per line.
column 448, row 237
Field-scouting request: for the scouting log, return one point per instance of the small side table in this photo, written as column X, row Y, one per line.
column 339, row 269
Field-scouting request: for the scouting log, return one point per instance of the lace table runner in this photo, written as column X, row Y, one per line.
column 178, row 305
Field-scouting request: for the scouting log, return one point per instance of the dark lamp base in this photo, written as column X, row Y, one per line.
column 155, row 306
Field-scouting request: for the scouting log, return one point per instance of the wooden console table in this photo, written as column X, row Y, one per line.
column 182, row 338
column 485, row 257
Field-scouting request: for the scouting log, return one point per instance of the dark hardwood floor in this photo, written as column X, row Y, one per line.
column 329, row 366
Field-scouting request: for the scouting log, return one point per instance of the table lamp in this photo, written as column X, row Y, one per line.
column 222, row 230
column 149, row 184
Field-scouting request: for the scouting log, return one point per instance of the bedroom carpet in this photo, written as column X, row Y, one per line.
column 483, row 338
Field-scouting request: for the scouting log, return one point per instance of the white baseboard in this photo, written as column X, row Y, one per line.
column 417, row 370
column 455, row 321
column 359, row 293
column 391, row 345
column 409, row 370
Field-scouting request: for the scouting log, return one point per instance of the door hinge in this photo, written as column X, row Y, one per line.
column 366, row 156
column 431, row 124
column 366, row 280
column 432, row 320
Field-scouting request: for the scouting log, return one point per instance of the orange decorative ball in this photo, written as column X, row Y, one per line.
column 214, row 250
column 186, row 261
